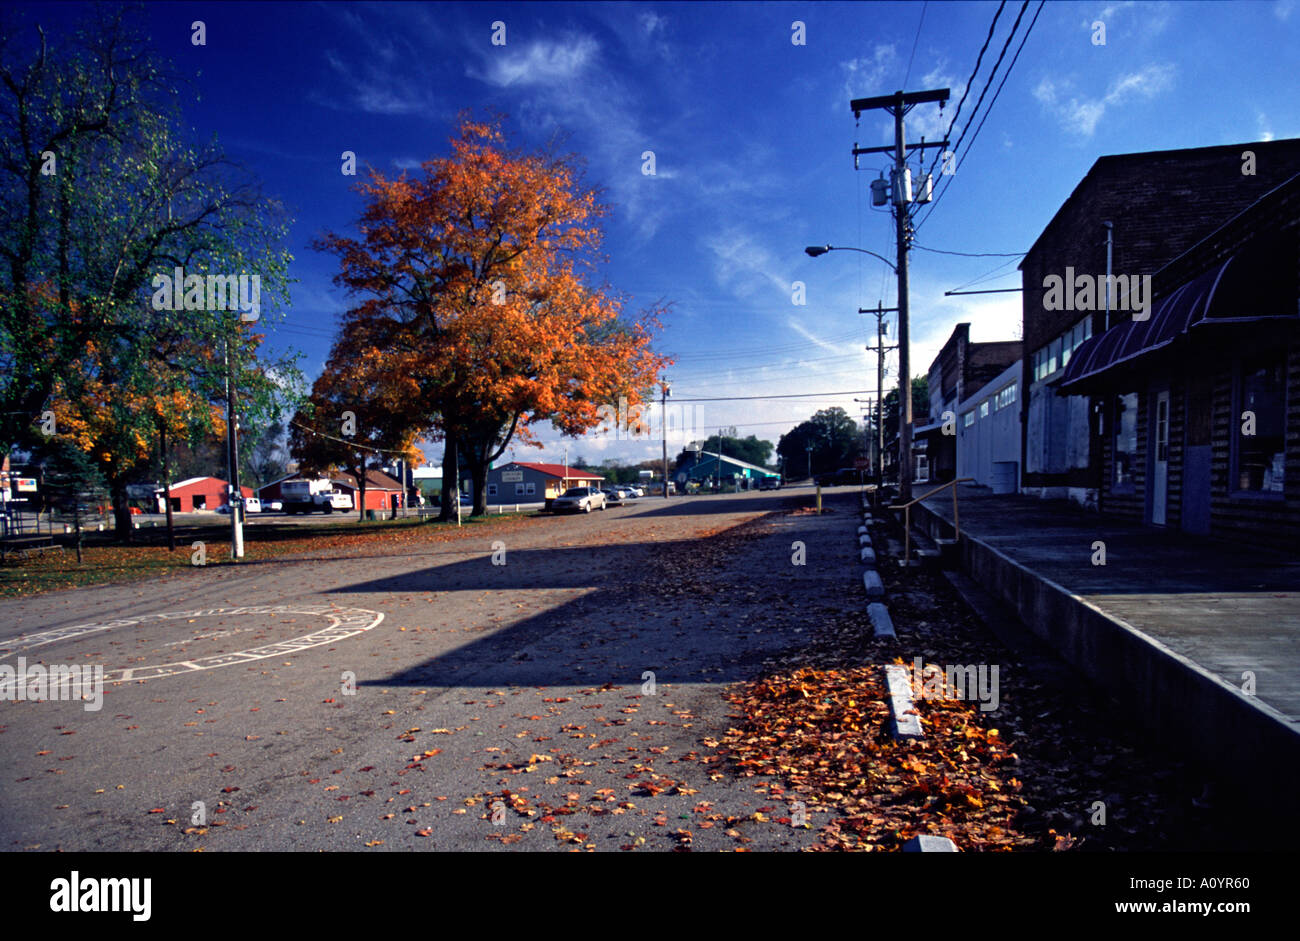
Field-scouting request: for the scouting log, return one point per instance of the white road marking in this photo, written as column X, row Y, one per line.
column 344, row 623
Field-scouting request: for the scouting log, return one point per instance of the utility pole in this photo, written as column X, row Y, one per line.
column 232, row 457
column 898, row 104
column 664, row 392
column 880, row 350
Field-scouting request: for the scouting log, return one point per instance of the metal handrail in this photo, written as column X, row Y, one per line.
column 907, row 514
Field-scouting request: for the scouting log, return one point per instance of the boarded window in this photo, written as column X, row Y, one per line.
column 1261, row 425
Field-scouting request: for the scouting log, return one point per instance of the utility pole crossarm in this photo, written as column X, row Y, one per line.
column 889, row 148
column 858, row 105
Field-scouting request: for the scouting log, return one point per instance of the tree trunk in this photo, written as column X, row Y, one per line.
column 478, row 469
column 450, row 456
column 121, row 512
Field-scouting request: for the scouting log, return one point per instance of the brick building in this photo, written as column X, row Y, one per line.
column 1199, row 415
column 1158, row 205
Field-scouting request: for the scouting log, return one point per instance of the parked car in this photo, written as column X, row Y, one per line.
column 635, row 490
column 252, row 505
column 614, row 495
column 275, row 505
column 770, row 483
column 579, row 499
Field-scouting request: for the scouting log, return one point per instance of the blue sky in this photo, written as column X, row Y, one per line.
column 751, row 135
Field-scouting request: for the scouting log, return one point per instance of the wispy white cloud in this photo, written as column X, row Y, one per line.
column 744, row 267
column 864, row 75
column 385, row 71
column 1265, row 127
column 1283, row 9
column 1081, row 115
column 1151, row 17
column 540, row 62
column 811, row 337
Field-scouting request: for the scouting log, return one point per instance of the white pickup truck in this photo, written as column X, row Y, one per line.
column 306, row 496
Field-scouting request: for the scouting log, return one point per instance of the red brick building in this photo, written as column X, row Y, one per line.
column 199, row 493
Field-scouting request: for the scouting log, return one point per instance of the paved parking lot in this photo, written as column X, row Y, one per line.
column 379, row 701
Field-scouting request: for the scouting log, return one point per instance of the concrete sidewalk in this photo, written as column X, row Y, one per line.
column 1170, row 623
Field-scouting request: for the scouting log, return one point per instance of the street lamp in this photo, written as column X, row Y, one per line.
column 815, row 250
column 904, row 359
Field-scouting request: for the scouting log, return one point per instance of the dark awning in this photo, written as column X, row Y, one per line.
column 1244, row 288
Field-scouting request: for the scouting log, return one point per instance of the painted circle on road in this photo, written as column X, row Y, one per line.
column 343, row 623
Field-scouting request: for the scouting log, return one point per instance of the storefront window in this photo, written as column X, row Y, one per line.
column 1261, row 424
column 1126, row 415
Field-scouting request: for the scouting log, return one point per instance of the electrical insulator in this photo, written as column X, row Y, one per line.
column 924, row 189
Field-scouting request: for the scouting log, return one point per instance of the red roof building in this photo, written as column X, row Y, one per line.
column 382, row 491
column 199, row 493
column 529, row 482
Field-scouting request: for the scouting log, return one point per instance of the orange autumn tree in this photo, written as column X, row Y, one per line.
column 478, row 304
column 117, row 416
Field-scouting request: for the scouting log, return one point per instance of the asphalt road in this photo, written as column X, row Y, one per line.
column 523, row 682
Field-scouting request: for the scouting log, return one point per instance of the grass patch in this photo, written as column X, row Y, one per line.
column 105, row 562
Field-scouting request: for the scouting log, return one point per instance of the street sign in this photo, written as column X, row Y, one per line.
column 512, row 477
column 862, row 463
column 26, row 484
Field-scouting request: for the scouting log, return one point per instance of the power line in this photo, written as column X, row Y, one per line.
column 987, row 276
column 970, row 81
column 351, row 444
column 940, row 251
column 792, row 395
column 1005, row 75
column 908, row 73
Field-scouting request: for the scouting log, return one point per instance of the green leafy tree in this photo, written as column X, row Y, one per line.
column 832, row 436
column 920, row 406
column 101, row 192
column 751, row 449
column 72, row 483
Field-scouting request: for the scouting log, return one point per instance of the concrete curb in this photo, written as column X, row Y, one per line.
column 930, row 844
column 881, row 622
column 874, row 586
column 905, row 722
